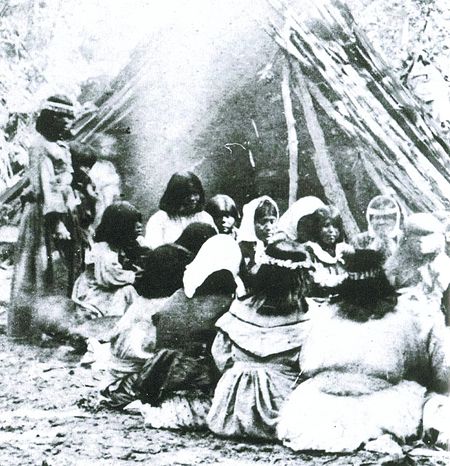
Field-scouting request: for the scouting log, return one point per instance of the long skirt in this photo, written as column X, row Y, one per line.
column 248, row 398
column 336, row 412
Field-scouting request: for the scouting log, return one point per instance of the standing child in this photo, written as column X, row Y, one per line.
column 105, row 288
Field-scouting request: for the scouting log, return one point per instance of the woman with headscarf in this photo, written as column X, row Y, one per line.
column 259, row 220
column 383, row 226
column 176, row 378
column 368, row 363
column 287, row 225
column 258, row 344
column 181, row 204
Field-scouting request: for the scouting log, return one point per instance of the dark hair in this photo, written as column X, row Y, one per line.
column 48, row 123
column 163, row 271
column 220, row 205
column 83, row 155
column 181, row 185
column 366, row 293
column 309, row 226
column 194, row 235
column 266, row 208
column 117, row 224
column 281, row 289
column 219, row 282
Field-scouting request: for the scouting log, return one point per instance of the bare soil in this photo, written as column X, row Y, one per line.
column 48, row 416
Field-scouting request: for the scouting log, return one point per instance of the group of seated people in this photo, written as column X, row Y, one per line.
column 270, row 327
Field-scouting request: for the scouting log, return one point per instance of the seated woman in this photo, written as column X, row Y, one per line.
column 367, row 363
column 322, row 234
column 257, row 347
column 420, row 265
column 287, row 225
column 225, row 214
column 172, row 371
column 105, row 288
column 164, row 266
column 181, row 204
column 259, row 220
column 383, row 226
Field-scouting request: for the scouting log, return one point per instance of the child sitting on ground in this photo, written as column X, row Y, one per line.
column 105, row 288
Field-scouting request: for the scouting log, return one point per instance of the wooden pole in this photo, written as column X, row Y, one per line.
column 291, row 133
column 323, row 164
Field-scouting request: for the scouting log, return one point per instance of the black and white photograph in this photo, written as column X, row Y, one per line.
column 225, row 232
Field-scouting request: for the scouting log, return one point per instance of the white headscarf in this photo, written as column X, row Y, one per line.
column 394, row 210
column 301, row 207
column 247, row 229
column 220, row 252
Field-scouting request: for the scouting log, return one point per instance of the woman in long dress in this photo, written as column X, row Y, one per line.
column 257, row 347
column 368, row 363
column 162, row 356
column 47, row 233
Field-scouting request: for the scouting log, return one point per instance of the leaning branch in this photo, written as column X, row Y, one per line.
column 322, row 162
column 292, row 134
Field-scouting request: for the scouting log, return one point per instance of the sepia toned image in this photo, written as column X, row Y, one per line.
column 225, row 232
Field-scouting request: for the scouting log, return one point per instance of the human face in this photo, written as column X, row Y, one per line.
column 138, row 229
column 190, row 204
column 383, row 225
column 225, row 223
column 264, row 227
column 328, row 234
column 64, row 124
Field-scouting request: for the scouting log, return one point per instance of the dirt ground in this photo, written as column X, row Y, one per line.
column 49, row 416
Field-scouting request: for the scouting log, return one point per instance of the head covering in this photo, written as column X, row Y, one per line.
column 220, row 252
column 247, row 228
column 303, row 206
column 286, row 253
column 384, row 205
column 365, row 287
column 59, row 104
